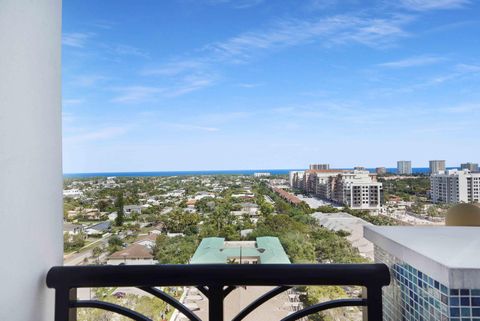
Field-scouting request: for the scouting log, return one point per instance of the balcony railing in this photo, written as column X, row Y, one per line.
column 216, row 282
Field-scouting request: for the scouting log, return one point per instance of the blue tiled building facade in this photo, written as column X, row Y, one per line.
column 415, row 296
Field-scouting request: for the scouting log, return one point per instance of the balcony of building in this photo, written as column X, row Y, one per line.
column 31, row 203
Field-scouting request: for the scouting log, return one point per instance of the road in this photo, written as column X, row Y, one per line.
column 78, row 257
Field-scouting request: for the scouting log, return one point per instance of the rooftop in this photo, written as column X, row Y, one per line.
column 215, row 250
column 449, row 254
column 342, row 221
column 134, row 251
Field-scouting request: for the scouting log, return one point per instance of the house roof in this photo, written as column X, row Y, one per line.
column 149, row 237
column 102, row 226
column 288, row 196
column 134, row 251
column 268, row 249
column 67, row 226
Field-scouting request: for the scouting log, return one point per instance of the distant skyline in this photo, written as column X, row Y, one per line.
column 251, row 84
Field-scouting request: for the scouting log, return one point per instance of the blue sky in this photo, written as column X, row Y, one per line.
column 240, row 84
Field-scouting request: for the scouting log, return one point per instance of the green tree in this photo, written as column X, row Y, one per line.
column 114, row 244
column 120, row 213
column 174, row 250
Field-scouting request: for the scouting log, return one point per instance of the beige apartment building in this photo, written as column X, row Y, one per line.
column 357, row 189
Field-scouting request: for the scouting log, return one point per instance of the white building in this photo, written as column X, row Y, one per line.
column 130, row 210
column 201, row 195
column 435, row 271
column 261, row 174
column 455, row 186
column 404, row 167
column 72, row 193
column 359, row 190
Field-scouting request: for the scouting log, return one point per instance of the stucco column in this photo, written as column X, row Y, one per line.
column 30, row 156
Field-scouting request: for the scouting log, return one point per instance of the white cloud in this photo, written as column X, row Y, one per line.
column 103, row 24
column 126, row 50
column 174, row 68
column 468, row 68
column 135, row 94
column 72, row 101
column 101, row 134
column 190, row 83
column 76, row 39
column 413, row 62
column 250, row 85
column 195, row 73
column 423, row 5
column 189, row 127
column 182, row 86
column 88, row 80
column 237, row 4
column 336, row 30
column 462, row 109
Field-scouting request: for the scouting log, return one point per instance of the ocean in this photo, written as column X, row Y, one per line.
column 416, row 170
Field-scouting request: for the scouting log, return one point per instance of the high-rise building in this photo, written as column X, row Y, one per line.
column 454, row 186
column 320, row 166
column 472, row 167
column 359, row 168
column 381, row 170
column 294, row 179
column 435, row 272
column 437, row 166
column 404, row 167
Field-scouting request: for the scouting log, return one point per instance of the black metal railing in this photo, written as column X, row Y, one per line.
column 216, row 282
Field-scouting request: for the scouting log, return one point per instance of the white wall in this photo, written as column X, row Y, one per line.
column 30, row 156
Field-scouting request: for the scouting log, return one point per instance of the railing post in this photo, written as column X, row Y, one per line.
column 215, row 303
column 62, row 304
column 72, row 314
column 374, row 309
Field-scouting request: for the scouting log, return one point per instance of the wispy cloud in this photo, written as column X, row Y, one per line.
column 468, row 68
column 126, row 50
column 413, row 62
column 321, row 4
column 194, row 73
column 236, row 4
column 174, row 68
column 336, row 30
column 76, row 39
column 88, row 80
column 101, row 134
column 250, row 85
column 189, row 127
column 136, row 94
column 72, row 101
column 225, row 117
column 182, row 86
column 190, row 83
column 463, row 108
column 103, row 24
column 423, row 5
